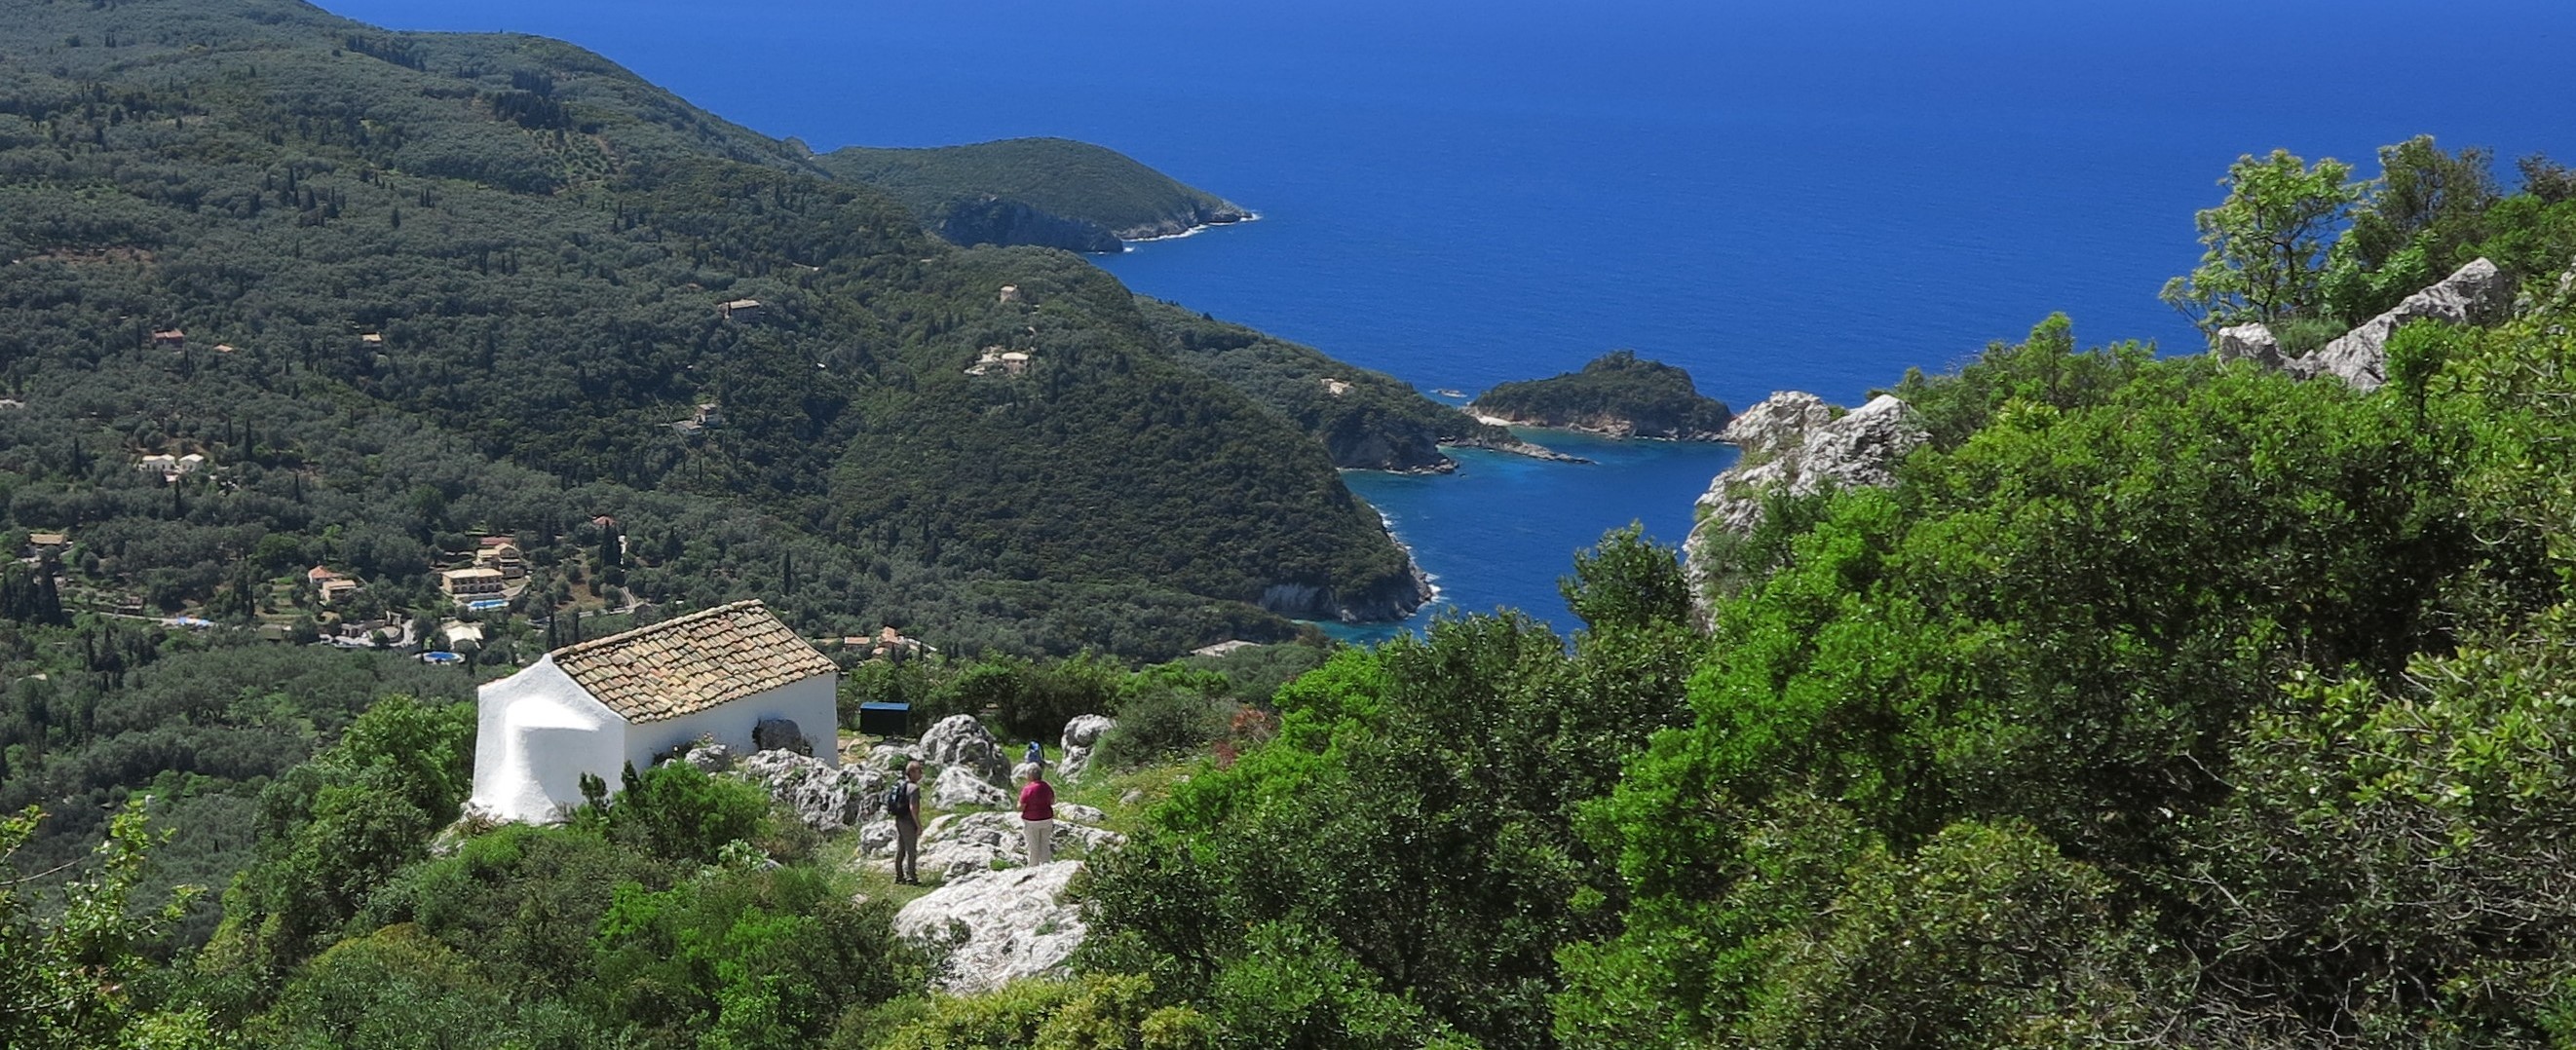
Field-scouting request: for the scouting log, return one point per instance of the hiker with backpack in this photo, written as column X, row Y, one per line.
column 903, row 803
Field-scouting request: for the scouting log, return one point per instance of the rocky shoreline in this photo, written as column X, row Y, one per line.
column 1612, row 427
column 1385, row 602
column 1199, row 221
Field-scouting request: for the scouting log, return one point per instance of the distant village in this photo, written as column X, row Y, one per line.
column 490, row 607
column 484, row 594
column 496, row 602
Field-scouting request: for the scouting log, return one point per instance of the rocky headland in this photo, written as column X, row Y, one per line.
column 1046, row 192
column 1393, row 598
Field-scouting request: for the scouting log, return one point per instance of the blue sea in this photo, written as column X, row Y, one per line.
column 1813, row 196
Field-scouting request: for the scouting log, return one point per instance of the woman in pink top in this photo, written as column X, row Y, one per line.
column 1037, row 816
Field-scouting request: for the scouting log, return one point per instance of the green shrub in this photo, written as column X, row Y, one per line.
column 1159, row 722
column 676, row 813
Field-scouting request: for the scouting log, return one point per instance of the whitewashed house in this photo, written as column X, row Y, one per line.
column 601, row 705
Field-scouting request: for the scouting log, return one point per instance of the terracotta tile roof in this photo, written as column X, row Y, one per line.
column 690, row 663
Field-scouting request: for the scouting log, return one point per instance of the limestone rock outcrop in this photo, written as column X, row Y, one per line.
column 1793, row 443
column 957, row 787
column 891, row 756
column 960, row 740
column 1778, row 423
column 825, row 796
column 1080, row 736
column 1789, row 446
column 2475, row 294
column 2248, row 342
column 999, row 926
column 709, row 756
column 960, row 844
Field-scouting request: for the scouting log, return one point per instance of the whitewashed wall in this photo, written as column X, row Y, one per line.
column 809, row 704
column 536, row 733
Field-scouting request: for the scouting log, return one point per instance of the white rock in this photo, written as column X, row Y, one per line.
column 1790, row 446
column 1860, row 449
column 709, row 756
column 1079, row 814
column 892, row 755
column 960, row 845
column 825, row 796
column 1779, row 422
column 2475, row 294
column 958, row 787
column 960, row 740
column 1081, row 735
column 1001, row 925
column 2248, row 342
column 877, row 838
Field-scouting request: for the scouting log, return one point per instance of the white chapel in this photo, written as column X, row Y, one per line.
column 597, row 706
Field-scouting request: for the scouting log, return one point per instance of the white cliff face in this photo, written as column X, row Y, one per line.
column 1002, row 925
column 1779, row 422
column 2475, row 294
column 2248, row 342
column 1791, row 445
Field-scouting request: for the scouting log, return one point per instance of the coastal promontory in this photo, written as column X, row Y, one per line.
column 1046, row 192
column 1618, row 395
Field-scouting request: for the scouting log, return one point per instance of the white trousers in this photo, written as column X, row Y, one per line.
column 1041, row 835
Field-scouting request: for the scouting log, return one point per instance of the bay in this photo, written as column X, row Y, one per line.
column 1813, row 196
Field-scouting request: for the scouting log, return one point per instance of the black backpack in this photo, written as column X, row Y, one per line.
column 894, row 802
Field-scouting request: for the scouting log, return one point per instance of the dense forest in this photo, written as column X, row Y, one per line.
column 2161, row 700
column 1619, row 394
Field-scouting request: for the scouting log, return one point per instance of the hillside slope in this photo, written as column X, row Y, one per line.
column 1366, row 420
column 512, row 254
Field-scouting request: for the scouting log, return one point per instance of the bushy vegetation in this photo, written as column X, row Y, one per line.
column 1164, row 711
column 2159, row 701
column 1617, row 393
column 2312, row 251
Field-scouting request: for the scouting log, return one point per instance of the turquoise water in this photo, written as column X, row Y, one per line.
column 1810, row 196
